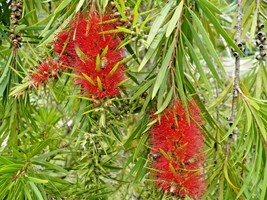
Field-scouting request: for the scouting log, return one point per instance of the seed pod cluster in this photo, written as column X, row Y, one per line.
column 261, row 42
column 16, row 14
column 111, row 8
column 241, row 45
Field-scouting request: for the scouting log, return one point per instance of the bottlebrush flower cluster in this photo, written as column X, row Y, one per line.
column 94, row 56
column 177, row 147
column 49, row 68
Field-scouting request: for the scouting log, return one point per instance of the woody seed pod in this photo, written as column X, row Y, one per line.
column 263, row 47
column 12, row 16
column 12, row 36
column 258, row 57
column 262, row 54
column 260, row 34
column 260, row 26
column 19, row 5
column 14, row 8
column 14, row 21
column 19, row 38
column 18, row 13
column 235, row 54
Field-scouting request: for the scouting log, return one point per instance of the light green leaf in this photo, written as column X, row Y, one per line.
column 218, row 27
column 88, row 79
column 175, row 19
column 98, row 63
column 39, row 147
column 208, row 43
column 79, row 5
column 104, row 52
column 81, row 54
column 36, row 180
column 158, row 22
column 163, row 70
column 62, row 5
column 99, row 83
column 152, row 48
column 166, row 102
column 36, row 191
column 196, row 60
column 117, row 65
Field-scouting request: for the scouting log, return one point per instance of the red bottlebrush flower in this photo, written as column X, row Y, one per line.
column 94, row 56
column 177, row 147
column 47, row 69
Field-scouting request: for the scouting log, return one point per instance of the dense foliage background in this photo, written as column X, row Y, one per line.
column 57, row 143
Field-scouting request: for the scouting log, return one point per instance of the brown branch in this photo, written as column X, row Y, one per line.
column 235, row 91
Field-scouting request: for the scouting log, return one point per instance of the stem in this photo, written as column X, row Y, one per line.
column 236, row 75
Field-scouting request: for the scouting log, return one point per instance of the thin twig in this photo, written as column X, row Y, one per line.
column 236, row 76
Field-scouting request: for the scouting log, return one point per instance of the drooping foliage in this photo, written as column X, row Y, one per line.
column 133, row 99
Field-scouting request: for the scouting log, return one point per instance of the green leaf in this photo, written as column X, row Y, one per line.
column 175, row 19
column 164, row 154
column 98, row 63
column 5, row 160
column 141, row 126
column 27, row 192
column 81, row 54
column 36, row 191
column 163, row 70
column 209, row 5
column 158, row 22
column 39, row 147
column 264, row 184
column 152, row 48
column 142, row 89
column 196, row 60
column 221, row 97
column 11, row 168
column 225, row 171
column 99, row 83
column 135, row 12
column 217, row 26
column 62, row 5
column 206, row 56
column 88, row 79
column 79, row 5
column 36, row 180
column 19, row 88
column 120, row 9
column 104, row 52
column 208, row 43
column 166, row 102
column 113, row 70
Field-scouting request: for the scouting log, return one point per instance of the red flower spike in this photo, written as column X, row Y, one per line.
column 92, row 54
column 47, row 69
column 176, row 150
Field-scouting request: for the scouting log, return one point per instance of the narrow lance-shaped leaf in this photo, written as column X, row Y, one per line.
column 36, row 191
column 206, row 39
column 104, row 52
column 166, row 102
column 163, row 69
column 88, row 79
column 99, row 83
column 175, row 19
column 152, row 48
column 81, row 54
column 218, row 27
column 158, row 22
column 98, row 63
